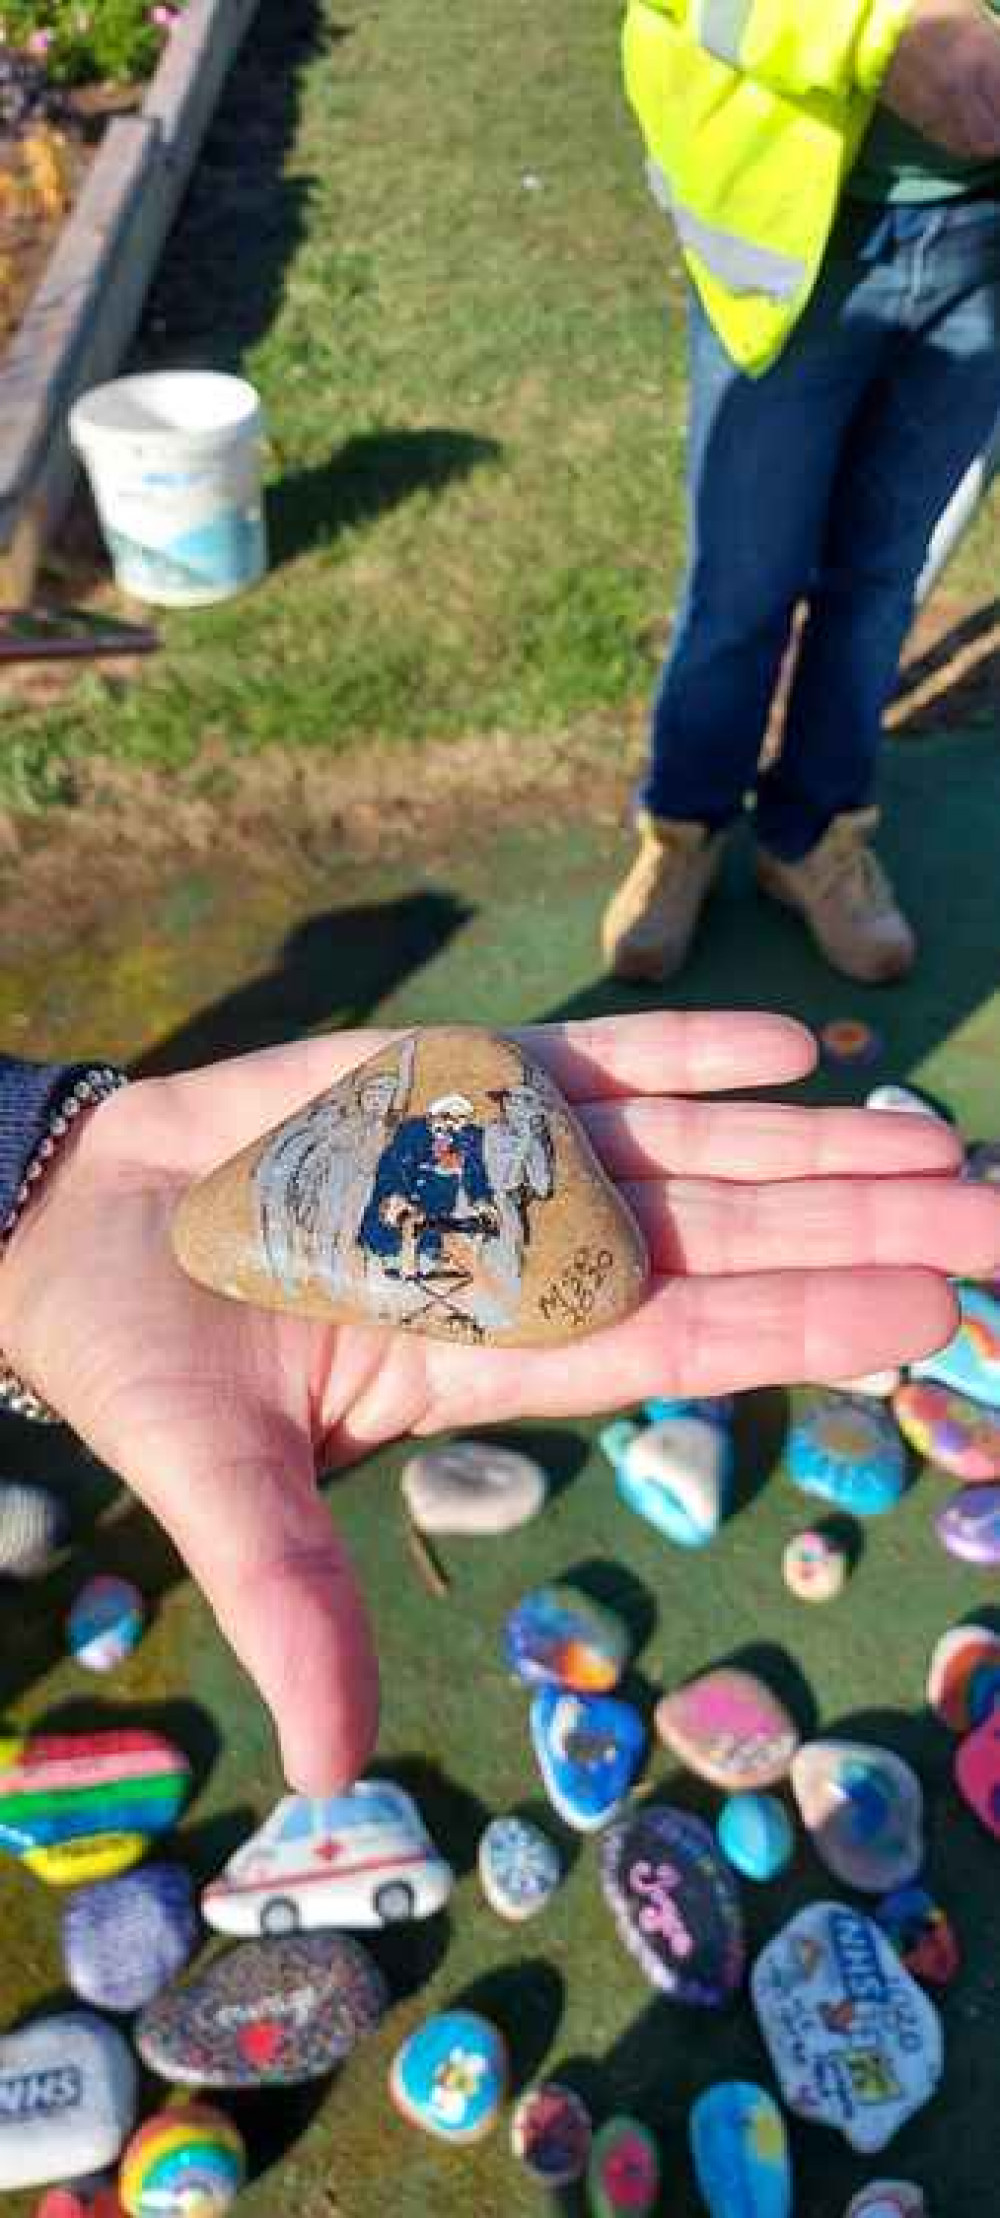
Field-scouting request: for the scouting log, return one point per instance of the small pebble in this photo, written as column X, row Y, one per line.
column 623, row 2176
column 450, row 2077
column 849, row 1043
column 105, row 1622
column 589, row 1748
column 814, row 1566
column 472, row 1486
column 969, row 1526
column 123, row 1939
column 551, row 2134
column 755, row 1835
column 187, row 2162
column 519, row 1868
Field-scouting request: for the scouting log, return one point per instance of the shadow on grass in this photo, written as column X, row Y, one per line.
column 370, row 473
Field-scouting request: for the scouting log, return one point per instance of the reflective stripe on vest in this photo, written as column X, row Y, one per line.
column 736, row 263
column 720, row 28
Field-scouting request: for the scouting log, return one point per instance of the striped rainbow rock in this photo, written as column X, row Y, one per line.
column 81, row 1806
column 187, row 2162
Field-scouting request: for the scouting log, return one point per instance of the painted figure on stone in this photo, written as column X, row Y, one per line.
column 313, row 1182
column 520, row 1164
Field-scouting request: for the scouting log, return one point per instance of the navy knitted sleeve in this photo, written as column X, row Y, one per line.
column 30, row 1094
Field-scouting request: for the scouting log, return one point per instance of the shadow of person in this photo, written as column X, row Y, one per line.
column 373, row 471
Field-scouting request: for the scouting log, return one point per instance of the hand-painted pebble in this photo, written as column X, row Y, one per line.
column 730, row 1728
column 970, row 1364
column 963, row 1678
column 855, row 2043
column 864, row 1810
column 969, row 1525
column 716, row 1409
column 105, row 1622
column 34, row 1526
column 450, row 2077
column 266, row 2014
column 187, row 2162
column 67, row 2099
column 559, row 1638
column 814, row 1566
column 623, row 2176
column 123, row 1939
column 888, row 2198
column 848, row 1042
column 675, row 1904
column 551, row 2133
column 755, row 1835
column 472, row 1486
column 977, row 1772
column 96, row 2197
column 959, row 1435
column 676, row 1474
column 907, row 1099
column 847, row 1450
column 363, row 1858
column 740, row 2152
column 519, row 1868
column 982, row 1163
column 79, row 1806
column 589, row 1748
column 921, row 1935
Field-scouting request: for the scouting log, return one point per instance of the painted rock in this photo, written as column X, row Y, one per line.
column 977, row 1772
column 982, row 1163
column 623, row 2176
column 472, row 1486
column 589, row 1748
column 96, row 2197
column 755, row 1835
column 266, row 2014
column 888, row 2198
column 67, row 2099
column 959, row 1435
column 847, row 1450
column 921, row 1935
column 551, row 2133
column 443, row 1186
column 855, row 2043
column 450, row 2077
column 519, row 1868
column 105, row 1623
column 363, row 1858
column 740, row 2152
column 864, row 1810
column 969, row 1525
column 963, row 1678
column 879, row 1384
column 79, row 1806
column 970, row 1364
column 675, row 1904
column 187, row 2162
column 906, row 1099
column 34, row 1526
column 814, row 1566
column 675, row 1474
column 717, row 1409
column 728, row 1727
column 849, row 1041
column 124, row 1939
column 558, row 1638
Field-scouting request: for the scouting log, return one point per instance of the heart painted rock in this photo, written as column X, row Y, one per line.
column 755, row 1835
column 963, row 1678
column 864, row 1810
column 450, row 2077
column 443, row 1185
column 364, row 1858
column 921, row 1935
column 740, row 2152
column 589, row 1748
column 551, row 2133
column 888, row 2198
column 67, row 2099
column 855, row 2043
column 266, row 2014
column 970, row 1364
column 472, row 1486
column 969, row 1525
column 624, row 2174
column 34, row 1526
column 675, row 1904
column 79, row 1806
column 846, row 1449
column 977, row 1772
column 959, row 1435
column 814, row 1566
column 124, row 1939
column 519, row 1868
column 559, row 1638
column 187, row 2162
column 730, row 1728
column 675, row 1474
column 105, row 1623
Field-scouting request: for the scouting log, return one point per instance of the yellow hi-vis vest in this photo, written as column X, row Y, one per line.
column 752, row 112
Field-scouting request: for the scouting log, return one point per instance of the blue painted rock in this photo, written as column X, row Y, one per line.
column 888, row 2198
column 855, row 2043
column 623, row 2176
column 266, row 2014
column 675, row 1904
column 105, row 1622
column 958, row 1435
column 559, row 1638
column 364, row 1858
column 450, row 2077
column 551, row 2133
column 589, row 1748
column 969, row 1525
column 79, row 1806
column 676, row 1474
column 847, row 1450
column 963, row 1677
column 519, row 1868
column 67, row 2099
column 977, row 1772
column 755, row 1835
column 970, row 1364
column 187, row 2162
column 727, row 1726
column 921, row 1935
column 863, row 1808
column 472, row 1486
column 740, row 2151
column 717, row 1409
column 123, row 1939
column 34, row 1526
column 814, row 1566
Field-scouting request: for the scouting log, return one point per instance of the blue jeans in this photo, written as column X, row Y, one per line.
column 821, row 482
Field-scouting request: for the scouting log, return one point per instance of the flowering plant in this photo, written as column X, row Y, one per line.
column 80, row 41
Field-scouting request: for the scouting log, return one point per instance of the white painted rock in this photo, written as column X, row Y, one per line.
column 888, row 2198
column 904, row 1099
column 67, row 2099
column 864, row 1810
column 472, row 1486
column 34, row 1525
column 364, row 1858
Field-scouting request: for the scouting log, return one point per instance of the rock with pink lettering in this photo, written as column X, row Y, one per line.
column 675, row 1904
column 730, row 1728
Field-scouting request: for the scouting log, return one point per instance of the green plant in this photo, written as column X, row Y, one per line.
column 84, row 40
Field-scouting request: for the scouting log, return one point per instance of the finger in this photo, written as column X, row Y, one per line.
column 766, row 1140
column 707, row 1226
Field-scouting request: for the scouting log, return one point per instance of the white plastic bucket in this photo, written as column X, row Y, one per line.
column 174, row 465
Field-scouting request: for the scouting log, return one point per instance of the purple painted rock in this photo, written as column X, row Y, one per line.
column 551, row 2133
column 959, row 1435
column 123, row 1939
column 675, row 1904
column 266, row 2014
column 969, row 1527
column 864, row 1810
column 977, row 1772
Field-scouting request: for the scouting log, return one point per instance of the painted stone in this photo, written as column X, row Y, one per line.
column 977, row 1772
column 740, row 2152
column 450, row 2077
column 755, row 1835
column 558, row 1638
column 472, row 1486
column 266, row 2014
column 716, row 1409
column 905, row 1099
column 624, row 2175
column 963, row 1677
column 921, row 1935
column 364, row 1858
column 551, row 2133
column 730, row 1728
column 187, row 2162
column 982, row 1163
column 959, row 1435
column 96, row 2197
column 675, row 1904
column 80, row 1806
column 105, row 1623
column 881, row 1385
column 443, row 1185
column 969, row 1525
column 864, row 1810
column 814, row 1566
column 34, row 1526
column 855, row 2043
column 519, row 1868
column 123, row 1939
column 970, row 1364
column 589, row 1748
column 888, row 2198
column 847, row 1450
column 67, row 2099
column 849, row 1042
column 675, row 1474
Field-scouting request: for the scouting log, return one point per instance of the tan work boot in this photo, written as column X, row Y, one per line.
column 649, row 923
column 846, row 899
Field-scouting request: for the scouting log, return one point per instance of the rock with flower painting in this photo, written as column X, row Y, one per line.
column 623, row 2177
column 846, row 1449
column 959, row 1435
column 864, row 1810
column 519, row 1868
column 589, row 1748
column 963, row 1677
column 730, row 1728
column 970, row 1364
column 740, row 2152
column 450, row 2077
column 675, row 1904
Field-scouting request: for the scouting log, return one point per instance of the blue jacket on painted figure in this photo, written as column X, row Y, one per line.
column 428, row 1174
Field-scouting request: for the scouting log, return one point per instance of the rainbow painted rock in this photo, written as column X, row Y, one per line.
column 846, row 1449
column 675, row 1904
column 450, row 2077
column 755, row 1835
column 67, row 2099
column 676, row 1474
column 969, row 1525
column 730, row 1728
column 977, row 1772
column 123, row 1939
column 960, row 1435
column 105, row 1622
column 970, row 1364
column 921, row 1935
column 888, row 2198
column 266, row 2014
column 80, row 1806
column 187, row 2162
column 556, row 1637
column 739, row 2148
column 589, row 1748
column 34, row 1526
column 864, row 1810
column 519, row 1868
column 623, row 2176
column 551, row 2133
column 814, row 1566
column 963, row 1677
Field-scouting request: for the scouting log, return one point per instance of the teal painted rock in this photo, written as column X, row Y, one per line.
column 846, row 1449
column 740, row 2151
column 623, row 2177
column 450, row 2077
column 589, row 1748
column 970, row 1364
column 863, row 1808
column 557, row 1637
column 755, row 1835
column 676, row 1474
column 717, row 1409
